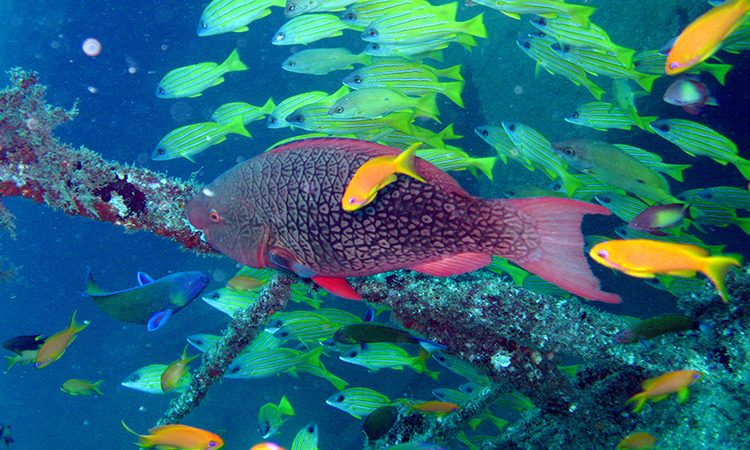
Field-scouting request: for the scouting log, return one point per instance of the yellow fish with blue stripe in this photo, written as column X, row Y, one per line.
column 191, row 81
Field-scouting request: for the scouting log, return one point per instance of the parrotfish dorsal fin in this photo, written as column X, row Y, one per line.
column 144, row 278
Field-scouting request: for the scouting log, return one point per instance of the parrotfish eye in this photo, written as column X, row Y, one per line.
column 214, row 216
column 161, row 151
column 575, row 115
column 340, row 398
column 602, row 254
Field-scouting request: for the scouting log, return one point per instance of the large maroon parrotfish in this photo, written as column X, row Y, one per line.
column 282, row 209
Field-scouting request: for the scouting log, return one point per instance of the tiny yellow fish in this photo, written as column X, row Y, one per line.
column 639, row 439
column 659, row 388
column 376, row 174
column 175, row 371
column 76, row 386
column 55, row 345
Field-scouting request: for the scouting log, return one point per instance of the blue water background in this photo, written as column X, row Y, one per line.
column 124, row 120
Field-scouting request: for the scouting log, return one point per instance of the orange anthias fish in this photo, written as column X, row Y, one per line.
column 55, row 345
column 644, row 258
column 658, row 388
column 175, row 371
column 638, row 439
column 703, row 37
column 179, row 437
column 376, row 174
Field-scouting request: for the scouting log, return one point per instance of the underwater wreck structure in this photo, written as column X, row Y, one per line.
column 514, row 336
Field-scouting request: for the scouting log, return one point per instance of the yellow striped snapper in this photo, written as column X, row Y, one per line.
column 338, row 317
column 451, row 396
column 203, row 342
column 271, row 416
column 696, row 139
column 590, row 186
column 225, row 113
column 224, row 16
column 381, row 355
column 624, row 97
column 653, row 62
column 677, row 286
column 654, row 161
column 315, row 118
column 310, row 330
column 539, row 49
column 615, row 167
column 401, row 140
column 370, row 103
column 322, row 61
column 409, row 78
column 266, row 363
column 527, row 190
column 550, row 9
column 277, row 118
column 426, row 49
column 358, row 401
column 453, row 159
column 598, row 62
column 421, row 25
column 295, row 8
column 726, row 196
column 568, row 32
column 461, row 367
column 148, row 379
column 623, row 206
column 230, row 301
column 502, row 266
column 190, row 140
column 601, row 116
column 533, row 146
column 739, row 40
column 310, row 28
column 306, row 438
column 498, row 139
column 190, row 81
column 364, row 12
column 708, row 213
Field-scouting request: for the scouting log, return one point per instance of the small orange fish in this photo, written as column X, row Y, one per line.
column 639, row 440
column 435, row 407
column 644, row 258
column 244, row 283
column 266, row 446
column 179, row 437
column 703, row 37
column 55, row 345
column 175, row 371
column 658, row 388
column 376, row 174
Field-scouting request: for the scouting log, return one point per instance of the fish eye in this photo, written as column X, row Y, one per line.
column 485, row 133
column 279, row 37
column 283, row 334
column 373, row 32
column 212, row 444
column 291, row 63
column 204, row 25
column 526, row 44
column 375, row 46
column 311, row 429
column 272, row 120
column 234, row 369
column 162, row 91
column 602, row 254
column 199, row 342
column 663, row 127
column 569, row 151
column 214, row 216
column 353, row 354
column 674, row 65
column 640, row 181
column 705, row 194
column 340, row 109
column 340, row 398
column 604, row 198
column 350, row 16
column 215, row 296
column 575, row 115
column 511, row 192
column 512, row 127
column 541, row 21
column 357, row 79
column 299, row 118
column 161, row 151
column 291, row 7
column 135, row 377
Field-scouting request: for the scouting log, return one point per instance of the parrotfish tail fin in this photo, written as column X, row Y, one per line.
column 475, row 26
column 743, row 166
column 233, row 63
column 96, row 386
column 268, row 107
column 420, row 364
column 237, row 126
column 639, row 400
column 675, row 171
column 580, row 14
column 452, row 90
column 624, row 54
column 430, row 346
column 404, row 162
column 558, row 256
column 719, row 71
column 427, row 106
column 91, row 287
column 644, row 121
column 647, row 81
column 485, row 165
column 76, row 327
column 452, row 72
column 285, row 407
column 716, row 269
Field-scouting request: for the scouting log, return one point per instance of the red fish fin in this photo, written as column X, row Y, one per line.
column 338, row 287
column 559, row 257
column 694, row 110
column 453, row 265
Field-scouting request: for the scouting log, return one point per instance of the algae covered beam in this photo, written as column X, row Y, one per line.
column 240, row 332
column 35, row 165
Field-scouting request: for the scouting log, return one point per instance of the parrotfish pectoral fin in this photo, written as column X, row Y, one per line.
column 559, row 257
column 338, row 287
column 143, row 278
column 159, row 319
column 454, row 265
